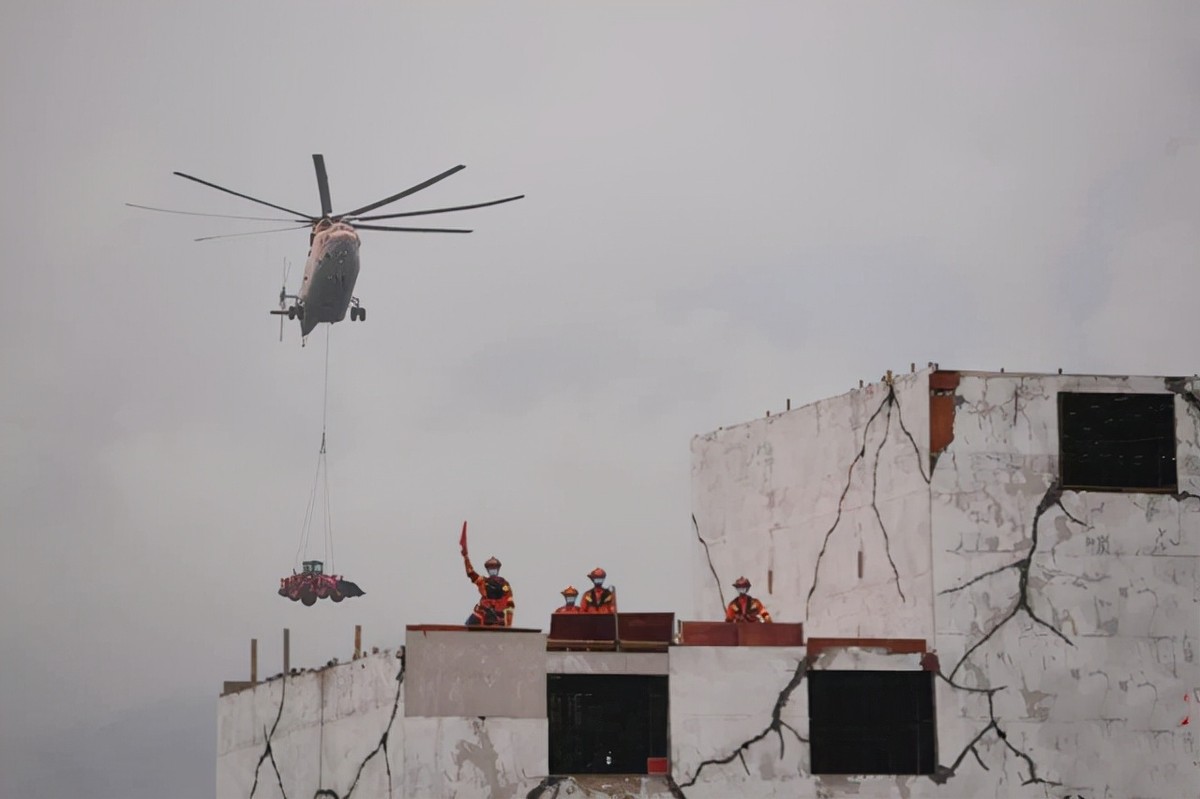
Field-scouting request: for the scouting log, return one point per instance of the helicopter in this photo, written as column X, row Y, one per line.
column 327, row 289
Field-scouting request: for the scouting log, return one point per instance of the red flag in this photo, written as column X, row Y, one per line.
column 462, row 541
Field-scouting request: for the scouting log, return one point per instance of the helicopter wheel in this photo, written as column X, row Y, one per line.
column 299, row 311
column 292, row 312
column 362, row 314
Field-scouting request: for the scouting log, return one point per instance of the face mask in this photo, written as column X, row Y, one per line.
column 570, row 601
column 742, row 591
column 493, row 572
column 599, row 581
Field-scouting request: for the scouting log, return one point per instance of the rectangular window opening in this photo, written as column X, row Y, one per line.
column 606, row 723
column 1117, row 441
column 872, row 722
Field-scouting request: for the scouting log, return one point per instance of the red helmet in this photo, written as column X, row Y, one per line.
column 491, row 563
column 741, row 582
column 570, row 591
column 597, row 573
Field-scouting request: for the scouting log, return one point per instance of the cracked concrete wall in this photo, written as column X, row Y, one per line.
column 335, row 732
column 815, row 496
column 722, row 697
column 1065, row 625
column 1078, row 611
column 1065, row 622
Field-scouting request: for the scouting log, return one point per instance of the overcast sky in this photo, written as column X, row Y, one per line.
column 729, row 204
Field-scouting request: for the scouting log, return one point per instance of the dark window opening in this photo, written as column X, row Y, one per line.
column 871, row 722
column 605, row 723
column 1117, row 441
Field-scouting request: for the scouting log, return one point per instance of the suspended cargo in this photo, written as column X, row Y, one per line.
column 312, row 584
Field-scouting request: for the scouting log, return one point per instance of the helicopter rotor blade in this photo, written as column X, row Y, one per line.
column 220, row 216
column 250, row 233
column 245, row 196
column 357, row 226
column 440, row 210
column 405, row 193
column 323, row 184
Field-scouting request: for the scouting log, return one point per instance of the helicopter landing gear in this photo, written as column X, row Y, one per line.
column 295, row 312
column 357, row 312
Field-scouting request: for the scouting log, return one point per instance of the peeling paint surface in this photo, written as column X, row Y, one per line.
column 1065, row 622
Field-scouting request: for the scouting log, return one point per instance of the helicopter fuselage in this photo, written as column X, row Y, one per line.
column 329, row 275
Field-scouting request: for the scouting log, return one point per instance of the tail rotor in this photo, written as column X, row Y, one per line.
column 287, row 268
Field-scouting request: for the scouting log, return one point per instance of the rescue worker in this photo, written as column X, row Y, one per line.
column 569, row 595
column 745, row 607
column 495, row 607
column 599, row 599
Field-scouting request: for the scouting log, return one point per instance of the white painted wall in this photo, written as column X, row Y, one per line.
column 1115, row 573
column 802, row 493
column 1098, row 710
column 722, row 697
column 329, row 724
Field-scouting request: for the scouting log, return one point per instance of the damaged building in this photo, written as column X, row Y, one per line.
column 983, row 585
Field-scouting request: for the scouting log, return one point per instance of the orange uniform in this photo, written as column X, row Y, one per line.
column 599, row 599
column 745, row 607
column 569, row 595
column 495, row 607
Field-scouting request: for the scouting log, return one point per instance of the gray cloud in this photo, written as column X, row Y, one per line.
column 726, row 207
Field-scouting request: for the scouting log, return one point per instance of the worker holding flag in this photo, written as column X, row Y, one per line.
column 495, row 606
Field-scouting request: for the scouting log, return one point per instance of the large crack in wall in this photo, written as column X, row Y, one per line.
column 942, row 774
column 267, row 751
column 1052, row 498
column 890, row 402
column 379, row 747
column 776, row 725
column 708, row 557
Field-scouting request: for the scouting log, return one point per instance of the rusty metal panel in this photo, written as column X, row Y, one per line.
column 708, row 633
column 777, row 634
column 941, row 422
column 941, row 410
column 583, row 631
column 645, row 628
column 943, row 380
